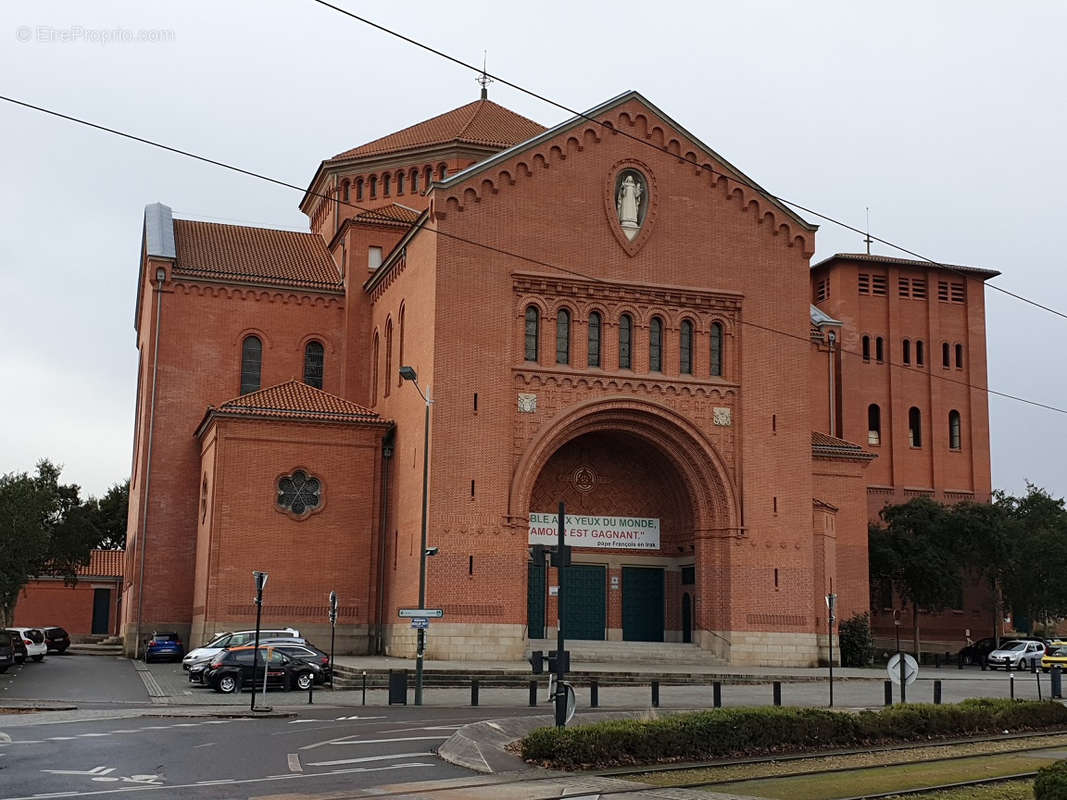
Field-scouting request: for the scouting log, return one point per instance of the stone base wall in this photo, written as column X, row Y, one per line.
column 459, row 641
column 762, row 648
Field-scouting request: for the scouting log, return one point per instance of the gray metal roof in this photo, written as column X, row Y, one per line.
column 159, row 231
column 820, row 317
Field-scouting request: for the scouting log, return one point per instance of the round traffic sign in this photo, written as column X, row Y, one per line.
column 911, row 669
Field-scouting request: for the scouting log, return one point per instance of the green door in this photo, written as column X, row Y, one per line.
column 584, row 606
column 642, row 604
column 535, row 601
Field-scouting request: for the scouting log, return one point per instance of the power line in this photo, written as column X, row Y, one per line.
column 464, row 240
column 646, row 143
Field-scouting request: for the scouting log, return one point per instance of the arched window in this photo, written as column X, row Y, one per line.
column 374, row 372
column 954, row 430
column 400, row 183
column 429, row 177
column 359, row 189
column 442, row 171
column 400, row 359
column 915, row 427
column 386, row 180
column 906, row 351
column 685, row 348
column 563, row 336
column 388, row 382
column 533, row 332
column 314, row 358
column 626, row 336
column 959, row 356
column 946, row 361
column 344, row 192
column 920, row 353
column 251, row 364
column 874, row 424
column 373, row 186
column 866, row 348
column 594, row 340
column 879, row 350
column 655, row 345
column 414, row 181
column 716, row 349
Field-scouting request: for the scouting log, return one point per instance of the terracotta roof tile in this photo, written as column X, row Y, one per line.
column 824, row 445
column 104, row 562
column 482, row 122
column 392, row 214
column 237, row 252
column 296, row 400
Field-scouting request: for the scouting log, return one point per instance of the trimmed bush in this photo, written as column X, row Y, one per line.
column 735, row 732
column 857, row 644
column 1051, row 782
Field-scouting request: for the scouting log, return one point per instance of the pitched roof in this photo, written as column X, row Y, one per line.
column 482, row 122
column 257, row 255
column 392, row 214
column 104, row 562
column 825, row 446
column 909, row 262
column 297, row 401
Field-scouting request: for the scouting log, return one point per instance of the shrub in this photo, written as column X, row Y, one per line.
column 1051, row 782
column 857, row 644
column 731, row 732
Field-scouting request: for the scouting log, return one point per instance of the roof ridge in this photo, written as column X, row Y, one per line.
column 478, row 106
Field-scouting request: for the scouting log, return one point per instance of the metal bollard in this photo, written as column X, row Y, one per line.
column 937, row 661
column 716, row 694
column 594, row 694
column 889, row 693
column 655, row 694
column 1011, row 685
column 311, row 688
column 1033, row 666
column 937, row 693
column 1056, row 682
column 984, row 663
column 474, row 691
column 533, row 694
column 364, row 685
column 959, row 662
column 776, row 689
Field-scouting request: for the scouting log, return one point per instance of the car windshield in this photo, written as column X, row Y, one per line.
column 1014, row 646
column 1059, row 651
column 218, row 640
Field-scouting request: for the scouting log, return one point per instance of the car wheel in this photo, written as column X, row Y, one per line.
column 228, row 684
column 37, row 658
column 304, row 681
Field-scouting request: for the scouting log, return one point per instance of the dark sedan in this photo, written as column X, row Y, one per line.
column 309, row 654
column 232, row 670
column 19, row 645
column 57, row 639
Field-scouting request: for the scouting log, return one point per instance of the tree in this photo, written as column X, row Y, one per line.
column 915, row 550
column 108, row 516
column 1035, row 585
column 987, row 538
column 44, row 528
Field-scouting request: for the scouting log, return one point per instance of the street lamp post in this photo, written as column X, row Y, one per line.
column 408, row 374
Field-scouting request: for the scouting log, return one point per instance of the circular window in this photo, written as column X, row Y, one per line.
column 299, row 494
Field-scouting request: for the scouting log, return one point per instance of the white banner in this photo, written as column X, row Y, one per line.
column 625, row 533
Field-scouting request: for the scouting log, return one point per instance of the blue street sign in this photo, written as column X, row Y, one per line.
column 420, row 622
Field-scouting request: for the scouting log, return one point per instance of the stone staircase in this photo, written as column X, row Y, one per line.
column 96, row 646
column 623, row 653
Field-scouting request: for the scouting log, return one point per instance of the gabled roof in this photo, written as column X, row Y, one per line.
column 982, row 272
column 825, row 446
column 294, row 400
column 392, row 214
column 482, row 123
column 585, row 117
column 820, row 317
column 212, row 250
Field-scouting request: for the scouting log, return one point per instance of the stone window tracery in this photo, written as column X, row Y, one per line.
column 299, row 494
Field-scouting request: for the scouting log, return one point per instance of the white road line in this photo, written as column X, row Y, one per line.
column 294, row 762
column 214, row 783
column 366, row 759
column 126, row 730
column 60, row 738
column 94, row 734
column 186, row 725
column 401, row 739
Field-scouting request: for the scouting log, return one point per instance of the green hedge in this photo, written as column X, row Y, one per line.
column 1051, row 782
column 736, row 732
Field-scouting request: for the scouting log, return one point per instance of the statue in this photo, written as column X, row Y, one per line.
column 628, row 203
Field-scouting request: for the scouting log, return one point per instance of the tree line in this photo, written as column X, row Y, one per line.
column 47, row 528
column 1016, row 547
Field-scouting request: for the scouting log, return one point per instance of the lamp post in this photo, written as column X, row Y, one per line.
column 408, row 374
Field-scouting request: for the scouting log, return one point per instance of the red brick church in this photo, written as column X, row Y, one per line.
column 634, row 330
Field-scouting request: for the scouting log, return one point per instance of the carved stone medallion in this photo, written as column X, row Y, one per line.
column 722, row 416
column 584, row 479
column 527, row 403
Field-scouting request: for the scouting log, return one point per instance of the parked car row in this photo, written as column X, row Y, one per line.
column 286, row 660
column 1015, row 653
column 18, row 645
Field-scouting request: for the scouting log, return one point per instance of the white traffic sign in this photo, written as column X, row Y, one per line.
column 911, row 669
column 420, row 612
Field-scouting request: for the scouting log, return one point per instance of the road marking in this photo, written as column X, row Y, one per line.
column 126, row 730
column 60, row 738
column 294, row 762
column 399, row 739
column 354, row 716
column 185, row 725
column 93, row 771
column 365, row 759
column 94, row 734
column 214, row 783
column 298, row 721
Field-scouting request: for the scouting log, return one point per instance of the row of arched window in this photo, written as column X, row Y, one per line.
column 594, row 349
column 376, row 355
column 906, row 349
column 398, row 182
column 915, row 427
column 252, row 364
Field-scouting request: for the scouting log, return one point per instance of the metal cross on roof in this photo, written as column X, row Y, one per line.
column 484, row 78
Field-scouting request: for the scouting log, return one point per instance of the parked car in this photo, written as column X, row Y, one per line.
column 222, row 641
column 974, row 653
column 302, row 650
column 166, row 645
column 56, row 639
column 18, row 644
column 198, row 670
column 1056, row 656
column 233, row 669
column 1016, row 654
column 7, row 651
column 33, row 638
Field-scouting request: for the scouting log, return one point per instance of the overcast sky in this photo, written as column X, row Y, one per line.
column 947, row 119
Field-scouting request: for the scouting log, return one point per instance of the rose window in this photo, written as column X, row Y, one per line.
column 299, row 493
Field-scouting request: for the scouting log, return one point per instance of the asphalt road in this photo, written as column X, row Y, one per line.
column 87, row 680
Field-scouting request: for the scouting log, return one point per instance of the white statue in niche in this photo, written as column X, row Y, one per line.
column 628, row 203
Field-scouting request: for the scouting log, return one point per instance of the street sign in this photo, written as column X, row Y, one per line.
column 420, row 612
column 911, row 668
column 420, row 622
column 261, row 580
column 333, row 607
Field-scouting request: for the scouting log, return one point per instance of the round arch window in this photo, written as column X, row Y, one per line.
column 299, row 494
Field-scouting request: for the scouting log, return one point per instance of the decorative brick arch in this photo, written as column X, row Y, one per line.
column 715, row 506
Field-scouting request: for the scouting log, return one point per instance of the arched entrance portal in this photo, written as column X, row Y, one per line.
column 626, row 459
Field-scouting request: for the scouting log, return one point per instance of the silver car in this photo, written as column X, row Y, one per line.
column 222, row 641
column 1016, row 654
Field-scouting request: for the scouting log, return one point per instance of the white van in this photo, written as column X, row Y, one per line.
column 222, row 641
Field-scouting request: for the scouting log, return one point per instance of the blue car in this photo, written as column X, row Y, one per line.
column 164, row 646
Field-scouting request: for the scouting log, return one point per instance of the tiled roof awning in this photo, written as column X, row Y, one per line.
column 295, row 400
column 825, row 446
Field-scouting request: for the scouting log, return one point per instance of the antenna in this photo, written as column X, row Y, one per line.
column 868, row 240
column 484, row 78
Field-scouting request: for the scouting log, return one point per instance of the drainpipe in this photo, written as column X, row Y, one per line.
column 831, row 337
column 383, row 532
column 161, row 275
